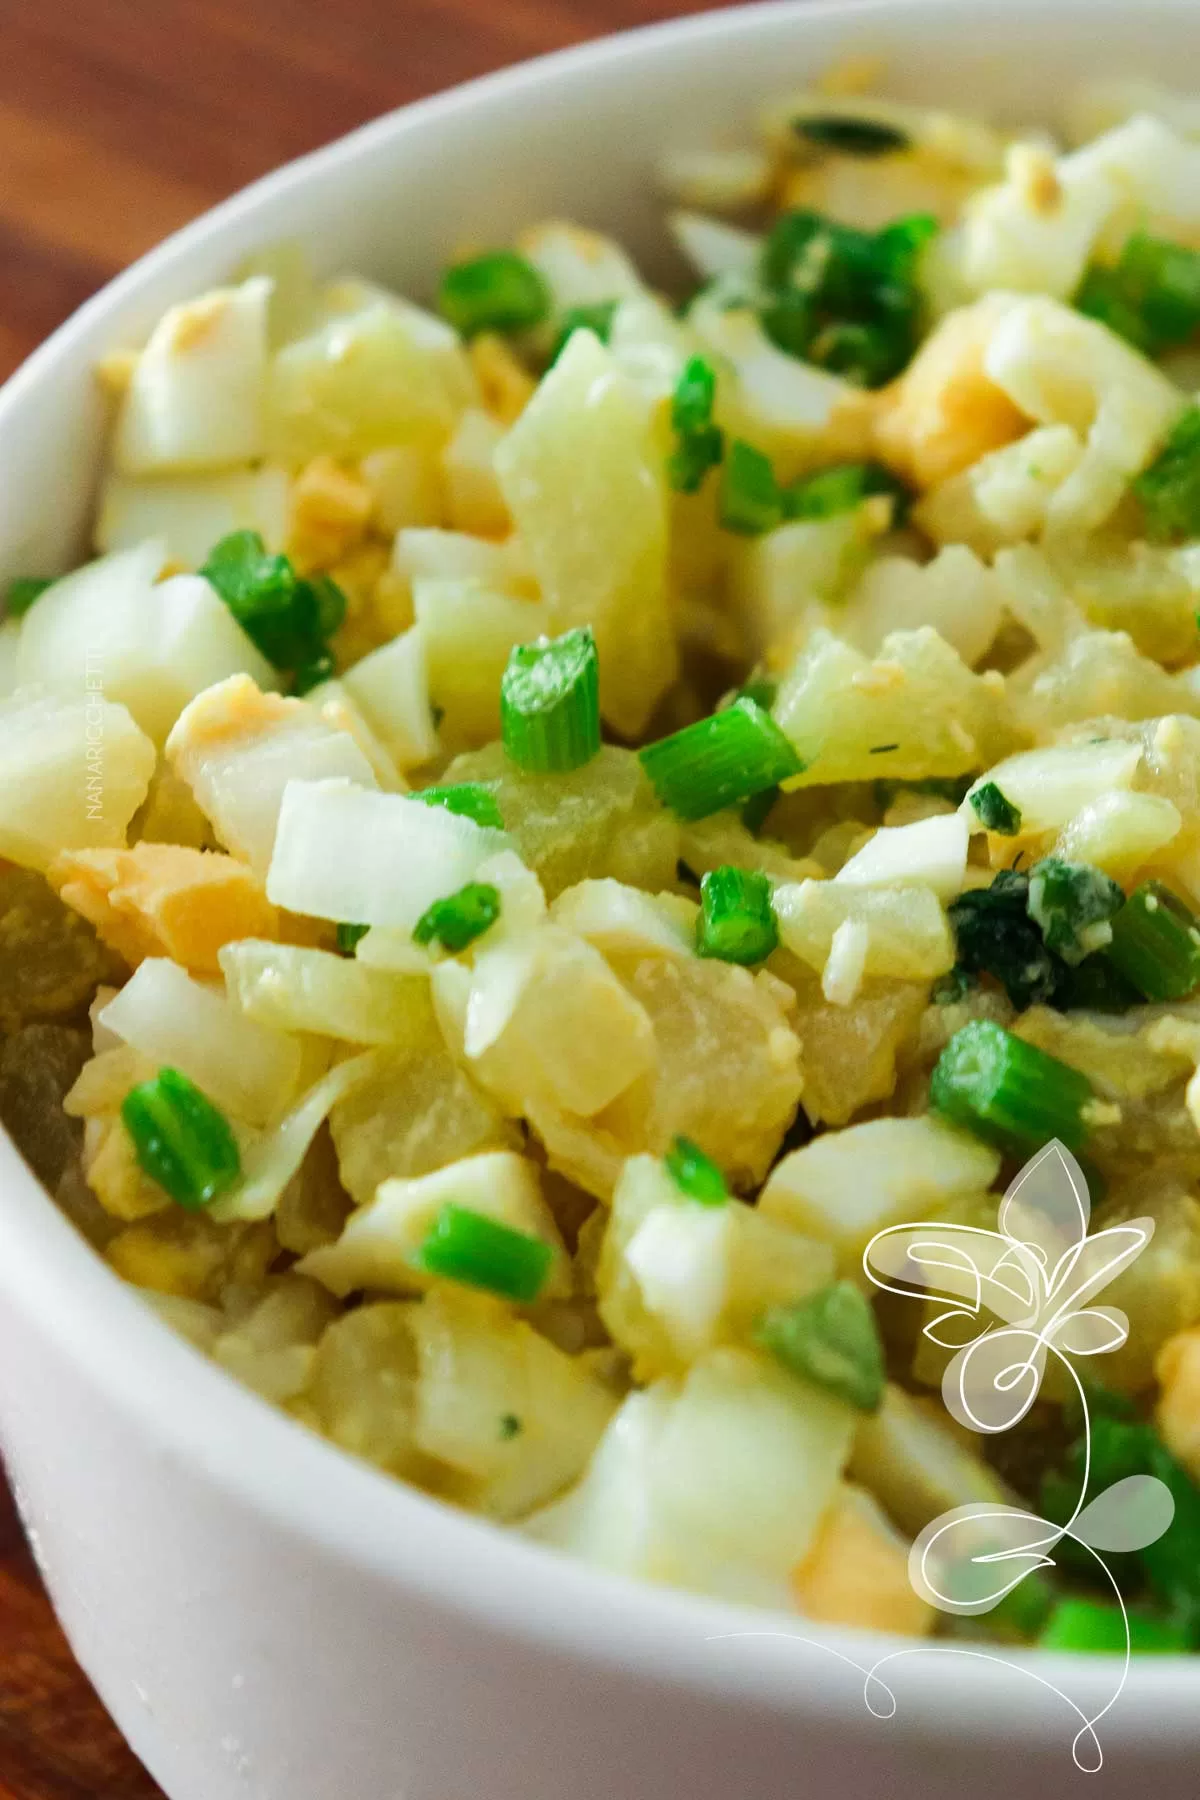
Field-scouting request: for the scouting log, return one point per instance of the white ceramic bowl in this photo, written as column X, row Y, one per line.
column 265, row 1618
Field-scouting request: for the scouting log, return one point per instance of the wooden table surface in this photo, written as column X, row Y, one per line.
column 120, row 120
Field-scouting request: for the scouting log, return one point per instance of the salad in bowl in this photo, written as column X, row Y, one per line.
column 559, row 814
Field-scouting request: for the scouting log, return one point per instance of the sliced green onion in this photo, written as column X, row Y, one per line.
column 832, row 1340
column 1095, row 986
column 329, row 600
column 459, row 919
column 720, row 761
column 497, row 292
column 867, row 355
column 510, row 1426
column 751, row 501
column 598, row 318
column 180, row 1139
column 737, row 920
column 465, row 1246
column 695, row 392
column 469, row 799
column 22, row 593
column 1099, row 1628
column 762, row 689
column 788, row 318
column 1169, row 489
column 259, row 589
column 312, row 673
column 1156, row 943
column 550, row 703
column 1072, row 903
column 348, row 936
column 995, row 811
column 692, row 458
column 1107, row 1446
column 758, row 810
column 840, row 489
column 696, row 1174
column 1150, row 295
column 952, row 987
column 290, row 619
column 1008, row 1092
column 1023, row 1612
column 845, row 299
column 852, row 136
column 699, row 444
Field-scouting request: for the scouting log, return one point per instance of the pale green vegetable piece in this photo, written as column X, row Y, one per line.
column 360, row 382
column 379, row 1247
column 847, row 1185
column 479, row 1370
column 362, row 1388
column 191, row 513
column 416, row 1113
column 914, row 710
column 298, row 989
column 468, row 631
column 583, row 478
column 907, row 932
column 600, row 820
column 573, row 1037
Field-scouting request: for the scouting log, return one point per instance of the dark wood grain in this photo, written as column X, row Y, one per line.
column 119, row 121
column 122, row 119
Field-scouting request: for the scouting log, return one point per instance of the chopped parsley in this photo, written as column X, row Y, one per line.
column 1150, row 296
column 852, row 136
column 845, row 299
column 995, row 812
column 1072, row 904
column 994, row 935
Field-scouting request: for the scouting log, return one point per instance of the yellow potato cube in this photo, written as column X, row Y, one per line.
column 583, row 476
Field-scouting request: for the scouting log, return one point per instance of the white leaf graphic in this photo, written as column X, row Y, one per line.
column 942, row 1330
column 1092, row 1332
column 969, row 1558
column 1047, row 1206
column 992, row 1384
column 1126, row 1516
column 1087, row 1268
column 958, row 1262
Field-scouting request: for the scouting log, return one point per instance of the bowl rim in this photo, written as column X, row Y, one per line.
column 513, row 1587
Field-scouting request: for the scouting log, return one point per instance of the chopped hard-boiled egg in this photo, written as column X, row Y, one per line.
column 196, row 396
